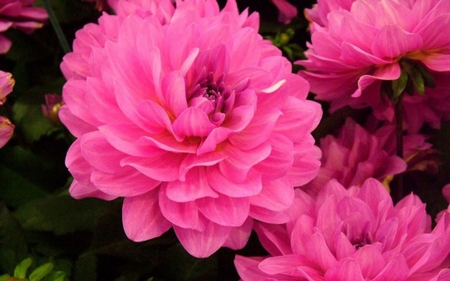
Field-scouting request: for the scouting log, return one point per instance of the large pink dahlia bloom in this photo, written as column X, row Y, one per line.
column 355, row 234
column 355, row 155
column 357, row 44
column 196, row 120
column 21, row 15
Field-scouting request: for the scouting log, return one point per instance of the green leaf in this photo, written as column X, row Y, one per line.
column 41, row 272
column 56, row 276
column 29, row 118
column 399, row 85
column 85, row 268
column 13, row 241
column 21, row 269
column 5, row 277
column 60, row 214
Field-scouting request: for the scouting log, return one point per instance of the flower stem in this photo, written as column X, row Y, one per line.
column 59, row 33
column 397, row 193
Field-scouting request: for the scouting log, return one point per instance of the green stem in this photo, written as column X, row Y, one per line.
column 397, row 193
column 59, row 33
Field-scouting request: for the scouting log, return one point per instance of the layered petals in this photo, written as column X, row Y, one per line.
column 186, row 108
column 347, row 235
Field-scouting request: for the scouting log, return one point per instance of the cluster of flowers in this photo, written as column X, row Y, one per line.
column 186, row 112
column 21, row 15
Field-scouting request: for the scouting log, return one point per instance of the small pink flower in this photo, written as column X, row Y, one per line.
column 357, row 44
column 21, row 15
column 6, row 85
column 355, row 234
column 193, row 118
column 6, row 130
column 354, row 156
column 286, row 10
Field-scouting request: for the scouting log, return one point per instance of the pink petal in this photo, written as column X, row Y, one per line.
column 391, row 41
column 163, row 167
column 194, row 186
column 174, row 88
column 248, row 268
column 182, row 214
column 251, row 186
column 396, row 269
column 142, row 219
column 239, row 235
column 238, row 162
column 276, row 195
column 123, row 183
column 85, row 190
column 192, row 122
column 202, row 244
column 347, row 269
column 274, row 238
column 225, row 210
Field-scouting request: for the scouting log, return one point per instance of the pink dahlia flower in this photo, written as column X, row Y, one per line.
column 286, row 10
column 357, row 44
column 196, row 121
column 21, row 15
column 355, row 234
column 354, row 156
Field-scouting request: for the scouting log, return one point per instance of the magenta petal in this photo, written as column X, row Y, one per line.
column 84, row 190
column 182, row 214
column 174, row 88
column 162, row 168
column 142, row 218
column 124, row 183
column 251, row 186
column 225, row 210
column 248, row 268
column 99, row 153
column 386, row 72
column 192, row 122
column 276, row 195
column 280, row 264
column 274, row 238
column 194, row 186
column 391, row 41
column 202, row 244
column 396, row 269
column 239, row 235
column 347, row 269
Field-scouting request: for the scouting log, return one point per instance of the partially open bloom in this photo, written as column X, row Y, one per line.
column 354, row 156
column 6, row 130
column 51, row 108
column 6, row 85
column 355, row 234
column 21, row 15
column 195, row 119
column 286, row 11
column 357, row 44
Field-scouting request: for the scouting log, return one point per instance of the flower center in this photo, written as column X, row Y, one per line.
column 219, row 98
column 360, row 242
